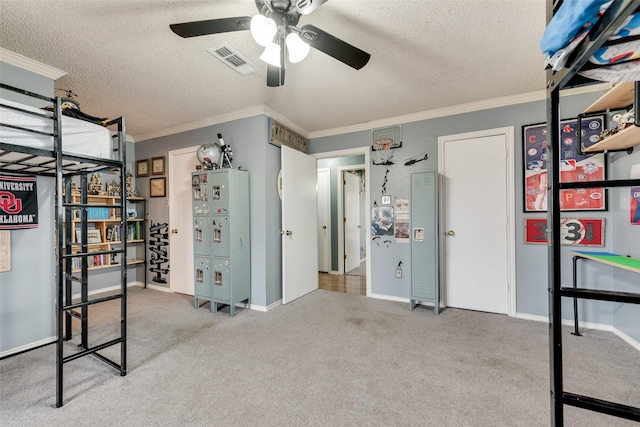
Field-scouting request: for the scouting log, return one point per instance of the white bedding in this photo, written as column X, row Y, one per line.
column 78, row 136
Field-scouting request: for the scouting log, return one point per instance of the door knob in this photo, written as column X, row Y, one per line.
column 324, row 227
column 451, row 233
column 174, row 231
column 288, row 232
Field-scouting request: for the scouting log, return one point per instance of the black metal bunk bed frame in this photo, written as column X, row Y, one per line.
column 64, row 167
column 556, row 81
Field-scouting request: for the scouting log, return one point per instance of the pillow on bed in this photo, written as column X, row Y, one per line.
column 570, row 18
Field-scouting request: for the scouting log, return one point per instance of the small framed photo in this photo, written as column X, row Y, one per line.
column 142, row 168
column 94, row 236
column 157, row 187
column 386, row 200
column 157, row 166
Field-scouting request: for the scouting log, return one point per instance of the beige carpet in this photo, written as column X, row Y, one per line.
column 327, row 359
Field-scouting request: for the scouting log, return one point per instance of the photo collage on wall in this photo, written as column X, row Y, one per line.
column 574, row 166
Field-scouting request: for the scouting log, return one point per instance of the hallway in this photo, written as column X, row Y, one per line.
column 348, row 284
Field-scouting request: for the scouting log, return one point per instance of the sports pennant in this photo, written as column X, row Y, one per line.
column 18, row 202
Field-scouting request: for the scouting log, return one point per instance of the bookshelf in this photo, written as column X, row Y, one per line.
column 105, row 234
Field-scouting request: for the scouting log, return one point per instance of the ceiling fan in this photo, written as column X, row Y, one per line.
column 274, row 27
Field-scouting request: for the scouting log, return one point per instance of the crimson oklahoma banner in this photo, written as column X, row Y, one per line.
column 18, row 202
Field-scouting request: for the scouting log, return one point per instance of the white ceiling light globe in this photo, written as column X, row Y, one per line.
column 271, row 54
column 263, row 29
column 298, row 49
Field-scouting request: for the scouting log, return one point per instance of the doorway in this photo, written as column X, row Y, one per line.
column 350, row 238
column 181, row 163
column 478, row 278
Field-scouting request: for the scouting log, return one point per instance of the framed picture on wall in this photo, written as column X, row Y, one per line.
column 157, row 187
column 574, row 166
column 157, row 166
column 142, row 168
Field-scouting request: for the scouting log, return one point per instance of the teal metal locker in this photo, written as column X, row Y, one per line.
column 222, row 240
column 425, row 283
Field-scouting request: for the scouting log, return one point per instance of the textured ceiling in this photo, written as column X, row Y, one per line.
column 122, row 58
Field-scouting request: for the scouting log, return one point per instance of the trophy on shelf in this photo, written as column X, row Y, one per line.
column 95, row 185
column 131, row 191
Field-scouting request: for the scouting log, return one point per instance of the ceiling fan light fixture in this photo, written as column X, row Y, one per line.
column 297, row 48
column 271, row 54
column 263, row 29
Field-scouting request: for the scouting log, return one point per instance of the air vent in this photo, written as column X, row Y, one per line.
column 233, row 59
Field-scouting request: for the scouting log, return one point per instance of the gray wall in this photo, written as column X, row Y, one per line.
column 23, row 79
column 248, row 140
column 27, row 294
column 625, row 240
column 531, row 260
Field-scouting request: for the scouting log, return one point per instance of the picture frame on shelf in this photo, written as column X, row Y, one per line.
column 157, row 187
column 94, row 236
column 142, row 168
column 157, row 165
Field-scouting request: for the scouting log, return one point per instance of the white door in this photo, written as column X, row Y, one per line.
column 181, row 163
column 476, row 221
column 299, row 224
column 324, row 220
column 351, row 220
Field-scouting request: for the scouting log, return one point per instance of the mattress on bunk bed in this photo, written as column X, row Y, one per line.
column 572, row 23
column 78, row 136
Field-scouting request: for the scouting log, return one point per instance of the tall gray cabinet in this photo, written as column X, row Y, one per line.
column 221, row 237
column 425, row 284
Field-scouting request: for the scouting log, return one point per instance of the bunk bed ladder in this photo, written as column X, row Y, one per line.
column 614, row 15
column 66, row 278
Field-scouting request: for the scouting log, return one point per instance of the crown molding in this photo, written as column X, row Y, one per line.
column 29, row 64
column 486, row 104
column 257, row 110
column 244, row 113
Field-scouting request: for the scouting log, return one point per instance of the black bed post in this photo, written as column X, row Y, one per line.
column 122, row 143
column 60, row 282
column 553, row 253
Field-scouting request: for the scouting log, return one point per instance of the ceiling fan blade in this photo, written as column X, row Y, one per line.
column 275, row 76
column 334, row 47
column 305, row 7
column 211, row 26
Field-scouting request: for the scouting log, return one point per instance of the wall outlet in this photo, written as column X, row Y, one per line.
column 398, row 273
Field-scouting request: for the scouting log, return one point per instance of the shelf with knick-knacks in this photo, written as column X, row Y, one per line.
column 105, row 230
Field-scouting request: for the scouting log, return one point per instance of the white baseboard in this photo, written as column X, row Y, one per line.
column 263, row 308
column 587, row 325
column 156, row 287
column 28, row 346
column 389, row 298
column 109, row 289
column 633, row 343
